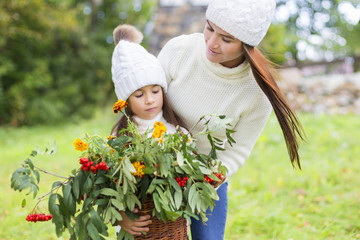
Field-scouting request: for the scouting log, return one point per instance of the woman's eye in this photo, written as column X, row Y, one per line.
column 226, row 40
column 210, row 29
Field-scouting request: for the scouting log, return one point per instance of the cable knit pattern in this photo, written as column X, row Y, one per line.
column 197, row 87
column 247, row 20
column 132, row 68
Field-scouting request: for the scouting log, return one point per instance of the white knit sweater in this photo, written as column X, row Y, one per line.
column 198, row 86
column 145, row 125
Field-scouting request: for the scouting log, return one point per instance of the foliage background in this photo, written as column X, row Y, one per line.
column 56, row 55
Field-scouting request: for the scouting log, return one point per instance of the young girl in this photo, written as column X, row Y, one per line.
column 140, row 80
column 222, row 71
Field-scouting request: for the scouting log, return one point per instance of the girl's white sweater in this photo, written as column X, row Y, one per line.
column 198, row 86
column 145, row 125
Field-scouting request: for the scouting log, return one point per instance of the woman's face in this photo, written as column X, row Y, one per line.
column 146, row 102
column 221, row 47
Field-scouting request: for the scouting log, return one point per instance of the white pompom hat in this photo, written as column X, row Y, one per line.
column 133, row 67
column 247, row 20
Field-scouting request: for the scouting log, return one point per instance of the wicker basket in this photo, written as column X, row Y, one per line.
column 171, row 230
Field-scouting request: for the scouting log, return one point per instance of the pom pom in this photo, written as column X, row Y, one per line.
column 128, row 33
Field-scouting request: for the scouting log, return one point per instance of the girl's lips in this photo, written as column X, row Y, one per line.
column 151, row 109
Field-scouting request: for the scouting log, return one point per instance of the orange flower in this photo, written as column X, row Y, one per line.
column 139, row 169
column 119, row 105
column 159, row 130
column 80, row 145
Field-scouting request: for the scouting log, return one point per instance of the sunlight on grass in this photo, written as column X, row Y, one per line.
column 268, row 198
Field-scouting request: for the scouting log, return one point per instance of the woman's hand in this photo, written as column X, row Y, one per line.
column 222, row 180
column 137, row 226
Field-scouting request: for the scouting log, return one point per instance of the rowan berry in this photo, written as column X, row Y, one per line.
column 38, row 217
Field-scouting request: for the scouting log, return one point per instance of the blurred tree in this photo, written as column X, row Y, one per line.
column 327, row 27
column 56, row 56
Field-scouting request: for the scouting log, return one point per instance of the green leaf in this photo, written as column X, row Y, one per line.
column 31, row 165
column 37, row 175
column 57, row 217
column 107, row 215
column 119, row 205
column 98, row 222
column 76, row 187
column 92, row 231
column 88, row 186
column 79, row 224
column 23, row 203
column 56, row 184
column 180, row 158
column 109, row 192
column 175, row 185
column 178, row 199
column 116, row 214
column 162, row 195
column 192, row 197
column 205, row 170
column 33, row 153
column 69, row 200
column 101, row 180
column 157, row 202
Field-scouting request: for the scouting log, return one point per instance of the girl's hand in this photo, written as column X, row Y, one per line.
column 137, row 226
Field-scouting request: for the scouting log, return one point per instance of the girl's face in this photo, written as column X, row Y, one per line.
column 221, row 47
column 146, row 102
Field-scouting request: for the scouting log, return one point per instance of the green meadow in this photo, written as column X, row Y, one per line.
column 268, row 198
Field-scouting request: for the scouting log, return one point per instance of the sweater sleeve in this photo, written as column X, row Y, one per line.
column 170, row 57
column 248, row 130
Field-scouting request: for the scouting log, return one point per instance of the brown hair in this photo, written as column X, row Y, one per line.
column 263, row 72
column 168, row 113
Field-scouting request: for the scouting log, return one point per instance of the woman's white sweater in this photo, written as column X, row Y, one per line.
column 198, row 87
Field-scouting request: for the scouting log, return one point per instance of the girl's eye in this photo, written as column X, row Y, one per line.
column 139, row 95
column 156, row 91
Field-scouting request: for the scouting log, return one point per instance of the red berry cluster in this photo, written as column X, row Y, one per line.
column 89, row 165
column 181, row 181
column 38, row 217
column 209, row 180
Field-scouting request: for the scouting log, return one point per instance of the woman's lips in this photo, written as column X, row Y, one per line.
column 212, row 52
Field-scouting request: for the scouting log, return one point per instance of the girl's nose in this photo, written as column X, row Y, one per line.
column 149, row 99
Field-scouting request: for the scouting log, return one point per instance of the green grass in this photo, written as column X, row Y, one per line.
column 268, row 199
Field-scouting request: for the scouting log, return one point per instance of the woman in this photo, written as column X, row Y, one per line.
column 222, row 71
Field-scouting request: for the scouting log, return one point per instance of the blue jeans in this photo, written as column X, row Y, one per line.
column 215, row 226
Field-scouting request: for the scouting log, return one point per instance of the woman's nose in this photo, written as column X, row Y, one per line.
column 213, row 42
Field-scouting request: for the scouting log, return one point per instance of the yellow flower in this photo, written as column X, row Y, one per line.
column 119, row 105
column 80, row 145
column 139, row 169
column 110, row 137
column 159, row 129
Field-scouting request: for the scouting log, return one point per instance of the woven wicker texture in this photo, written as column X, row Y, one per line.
column 171, row 230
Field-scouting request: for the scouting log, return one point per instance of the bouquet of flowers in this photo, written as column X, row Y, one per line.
column 118, row 173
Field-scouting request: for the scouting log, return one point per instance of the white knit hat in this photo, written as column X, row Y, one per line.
column 133, row 68
column 247, row 20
